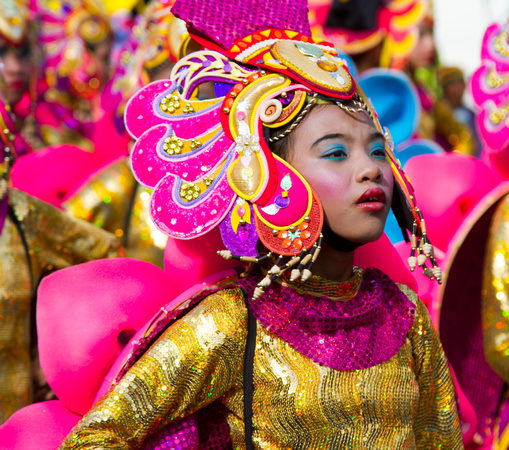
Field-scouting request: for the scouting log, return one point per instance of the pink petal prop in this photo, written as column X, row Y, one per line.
column 185, row 221
column 150, row 163
column 41, row 425
column 143, row 112
column 77, row 345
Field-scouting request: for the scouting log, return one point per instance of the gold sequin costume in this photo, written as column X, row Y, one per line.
column 53, row 241
column 471, row 309
column 495, row 293
column 114, row 200
column 405, row 402
column 495, row 310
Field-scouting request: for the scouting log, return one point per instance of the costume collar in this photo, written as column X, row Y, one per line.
column 362, row 332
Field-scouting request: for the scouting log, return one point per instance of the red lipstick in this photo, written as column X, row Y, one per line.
column 372, row 200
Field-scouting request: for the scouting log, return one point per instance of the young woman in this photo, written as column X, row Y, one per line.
column 289, row 161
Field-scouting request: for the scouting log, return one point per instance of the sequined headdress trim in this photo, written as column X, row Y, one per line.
column 490, row 87
column 208, row 161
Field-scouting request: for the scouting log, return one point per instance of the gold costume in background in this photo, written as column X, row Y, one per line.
column 114, row 200
column 495, row 293
column 405, row 402
column 53, row 241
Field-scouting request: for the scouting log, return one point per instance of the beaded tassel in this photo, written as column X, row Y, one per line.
column 306, row 273
column 306, row 258
column 424, row 251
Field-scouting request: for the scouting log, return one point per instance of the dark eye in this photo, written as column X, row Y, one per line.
column 336, row 152
column 378, row 151
column 24, row 52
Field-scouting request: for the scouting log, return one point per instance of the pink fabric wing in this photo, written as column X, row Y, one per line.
column 80, row 339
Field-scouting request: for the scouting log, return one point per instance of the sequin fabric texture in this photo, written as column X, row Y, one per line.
column 405, row 402
column 366, row 330
column 495, row 293
column 234, row 21
column 495, row 313
column 54, row 241
column 114, row 201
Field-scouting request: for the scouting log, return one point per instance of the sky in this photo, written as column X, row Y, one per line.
column 460, row 26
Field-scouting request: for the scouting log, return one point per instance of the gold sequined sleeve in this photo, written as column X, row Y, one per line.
column 57, row 240
column 436, row 424
column 495, row 292
column 194, row 362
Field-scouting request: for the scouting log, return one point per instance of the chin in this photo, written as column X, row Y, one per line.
column 362, row 236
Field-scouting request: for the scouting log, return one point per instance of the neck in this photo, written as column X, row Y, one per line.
column 333, row 264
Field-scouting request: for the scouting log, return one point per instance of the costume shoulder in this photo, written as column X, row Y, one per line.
column 421, row 311
column 59, row 239
column 410, row 293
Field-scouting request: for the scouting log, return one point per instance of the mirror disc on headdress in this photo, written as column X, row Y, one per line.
column 314, row 67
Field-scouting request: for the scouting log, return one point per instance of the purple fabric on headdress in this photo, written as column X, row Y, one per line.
column 244, row 241
column 360, row 333
column 235, row 19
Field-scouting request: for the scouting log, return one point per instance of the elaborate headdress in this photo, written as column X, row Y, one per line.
column 490, row 87
column 209, row 162
column 69, row 28
column 357, row 26
column 155, row 41
column 14, row 20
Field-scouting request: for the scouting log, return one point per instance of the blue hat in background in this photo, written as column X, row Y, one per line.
column 395, row 100
column 414, row 147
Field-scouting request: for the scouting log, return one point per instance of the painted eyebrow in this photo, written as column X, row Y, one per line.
column 376, row 136
column 373, row 137
column 331, row 136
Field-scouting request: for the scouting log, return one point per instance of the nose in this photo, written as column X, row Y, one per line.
column 368, row 169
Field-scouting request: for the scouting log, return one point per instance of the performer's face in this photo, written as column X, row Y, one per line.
column 102, row 53
column 342, row 156
column 16, row 70
column 424, row 52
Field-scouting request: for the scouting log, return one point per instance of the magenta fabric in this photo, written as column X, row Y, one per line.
column 51, row 173
column 4, row 209
column 383, row 255
column 457, row 184
column 40, row 426
column 234, row 20
column 365, row 331
column 86, row 314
